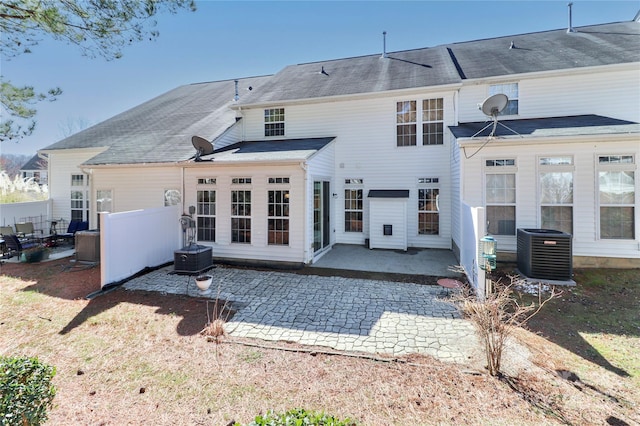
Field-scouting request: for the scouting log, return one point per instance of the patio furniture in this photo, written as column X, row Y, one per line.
column 6, row 230
column 25, row 229
column 74, row 226
column 14, row 245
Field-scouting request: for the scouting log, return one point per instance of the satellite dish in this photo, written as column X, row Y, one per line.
column 494, row 105
column 202, row 146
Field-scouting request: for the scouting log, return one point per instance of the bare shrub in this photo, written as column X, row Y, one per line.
column 216, row 319
column 497, row 315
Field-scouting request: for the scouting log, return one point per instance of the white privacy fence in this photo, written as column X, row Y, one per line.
column 36, row 212
column 134, row 240
column 473, row 228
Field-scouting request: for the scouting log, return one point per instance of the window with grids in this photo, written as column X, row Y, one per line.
column 353, row 206
column 500, row 196
column 206, row 215
column 428, row 211
column 241, row 216
column 433, row 121
column 406, row 117
column 511, row 90
column 556, row 193
column 278, row 217
column 616, row 196
column 79, row 197
column 274, row 122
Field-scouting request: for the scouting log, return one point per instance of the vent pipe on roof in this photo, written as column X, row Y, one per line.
column 384, row 44
column 570, row 27
column 237, row 95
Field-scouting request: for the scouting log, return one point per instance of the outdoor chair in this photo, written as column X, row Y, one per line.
column 6, row 230
column 74, row 226
column 25, row 229
column 14, row 245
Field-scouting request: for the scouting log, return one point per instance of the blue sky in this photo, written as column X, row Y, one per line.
column 227, row 40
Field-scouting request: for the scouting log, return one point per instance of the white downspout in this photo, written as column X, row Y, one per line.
column 305, row 169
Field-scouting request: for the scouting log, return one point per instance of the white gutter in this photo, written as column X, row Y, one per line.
column 305, row 171
column 547, row 139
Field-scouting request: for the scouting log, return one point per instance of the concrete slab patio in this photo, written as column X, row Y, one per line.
column 346, row 314
column 433, row 262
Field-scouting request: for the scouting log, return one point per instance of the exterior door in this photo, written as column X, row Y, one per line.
column 321, row 214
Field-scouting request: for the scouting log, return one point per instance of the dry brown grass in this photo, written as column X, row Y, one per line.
column 134, row 358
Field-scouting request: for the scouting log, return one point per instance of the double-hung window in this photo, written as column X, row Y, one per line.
column 274, row 122
column 241, row 211
column 433, row 121
column 353, row 205
column 500, row 196
column 429, row 113
column 79, row 197
column 616, row 196
column 278, row 213
column 556, row 193
column 406, row 123
column 511, row 90
column 428, row 206
column 206, row 209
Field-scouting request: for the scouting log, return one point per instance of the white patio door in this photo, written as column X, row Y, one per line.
column 321, row 214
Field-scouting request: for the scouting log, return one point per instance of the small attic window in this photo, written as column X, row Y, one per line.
column 511, row 90
column 274, row 122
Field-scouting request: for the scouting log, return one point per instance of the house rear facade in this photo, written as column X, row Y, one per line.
column 383, row 150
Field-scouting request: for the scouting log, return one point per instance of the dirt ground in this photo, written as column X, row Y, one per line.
column 138, row 358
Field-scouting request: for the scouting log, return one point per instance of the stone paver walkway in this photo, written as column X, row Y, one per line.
column 341, row 313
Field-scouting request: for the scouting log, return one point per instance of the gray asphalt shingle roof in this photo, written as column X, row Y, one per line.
column 160, row 130
column 578, row 125
column 271, row 150
column 35, row 163
column 452, row 63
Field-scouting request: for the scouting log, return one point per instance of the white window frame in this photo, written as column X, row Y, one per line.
column 421, row 117
column 352, row 186
column 239, row 212
column 616, row 163
column 79, row 185
column 407, row 118
column 428, row 184
column 278, row 213
column 274, row 122
column 512, row 90
column 432, row 112
column 102, row 205
column 206, row 209
column 556, row 164
column 498, row 167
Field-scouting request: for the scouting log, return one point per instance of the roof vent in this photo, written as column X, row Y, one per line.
column 384, row 44
column 512, row 45
column 570, row 28
column 236, row 97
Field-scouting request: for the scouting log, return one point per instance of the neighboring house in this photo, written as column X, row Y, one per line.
column 382, row 150
column 36, row 168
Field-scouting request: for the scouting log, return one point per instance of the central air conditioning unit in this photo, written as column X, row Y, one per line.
column 87, row 246
column 192, row 259
column 545, row 254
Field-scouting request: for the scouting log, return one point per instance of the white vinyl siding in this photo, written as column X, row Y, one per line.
column 606, row 91
column 586, row 226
